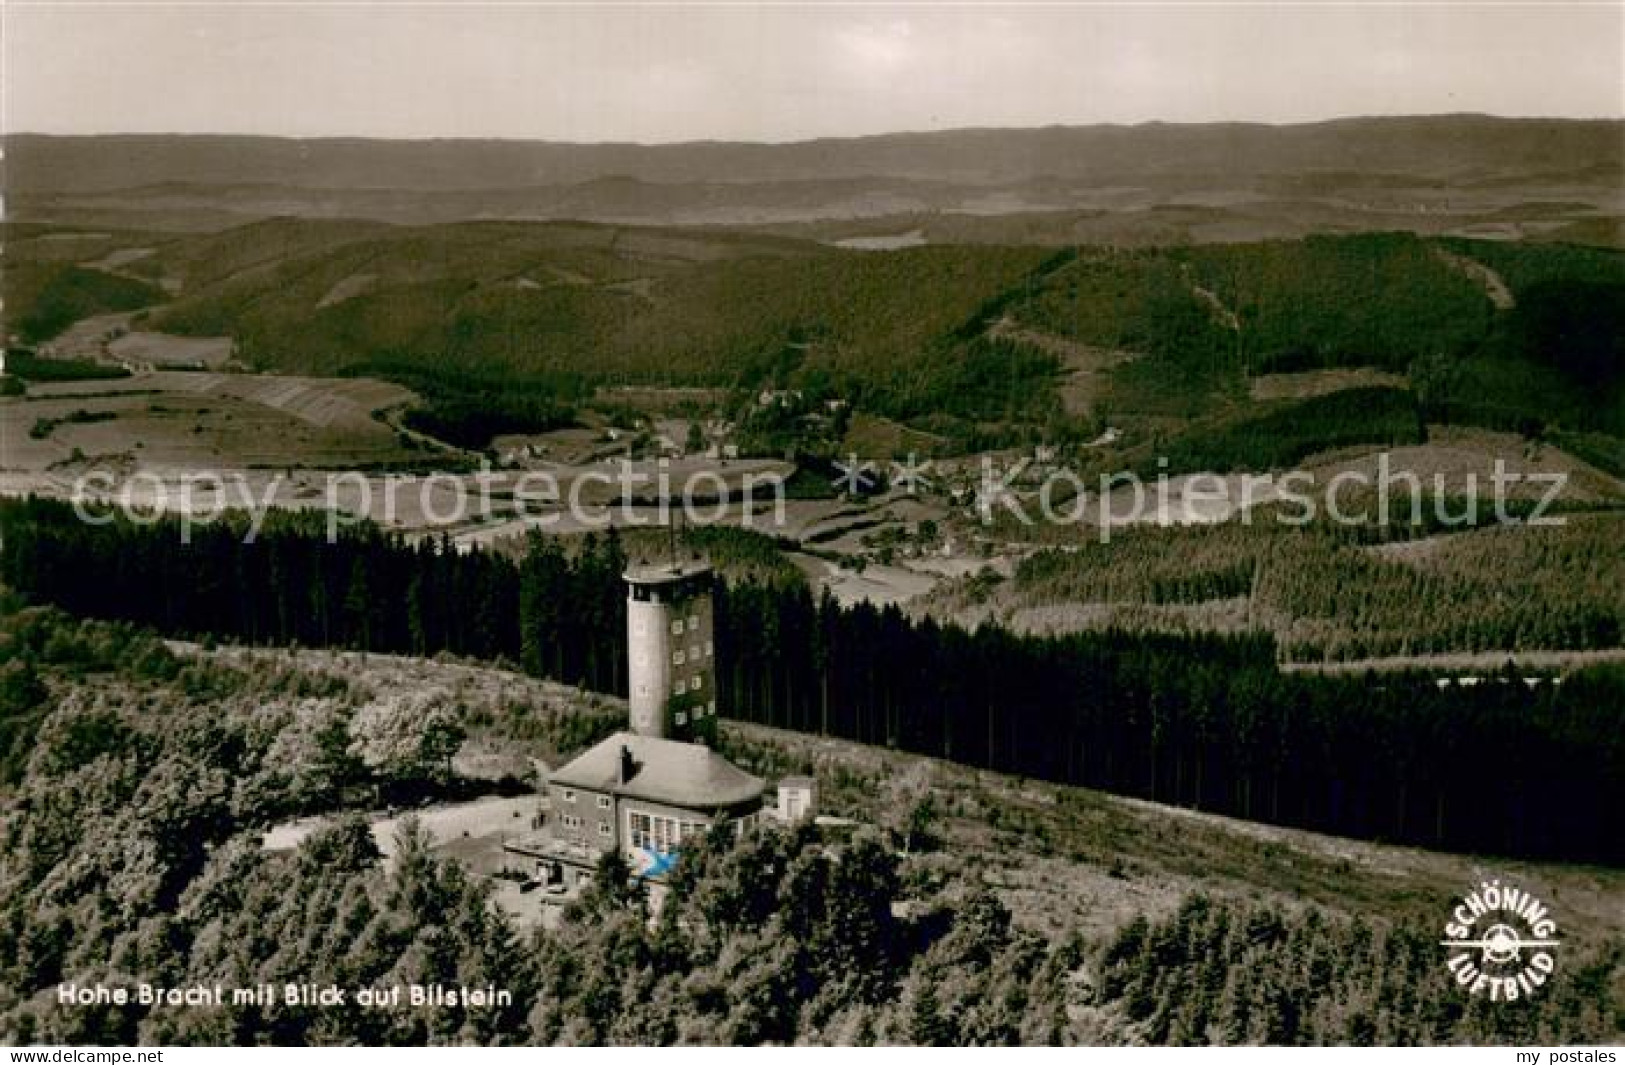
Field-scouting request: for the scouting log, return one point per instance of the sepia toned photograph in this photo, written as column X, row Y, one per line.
column 812, row 524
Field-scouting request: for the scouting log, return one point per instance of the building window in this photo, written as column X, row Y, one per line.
column 568, row 796
column 681, row 718
column 677, row 627
column 677, row 658
column 603, row 802
column 711, row 707
column 694, row 684
column 709, row 649
column 603, row 829
column 693, row 623
column 571, row 821
column 677, row 689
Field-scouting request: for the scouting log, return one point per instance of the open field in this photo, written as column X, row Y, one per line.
column 1023, row 345
column 173, row 422
column 478, row 820
column 88, row 338
column 557, row 349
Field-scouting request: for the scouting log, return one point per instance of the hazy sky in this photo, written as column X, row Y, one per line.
column 784, row 72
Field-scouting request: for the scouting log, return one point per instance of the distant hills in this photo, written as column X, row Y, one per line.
column 1384, row 167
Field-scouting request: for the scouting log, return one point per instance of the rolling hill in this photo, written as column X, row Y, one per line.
column 1370, row 151
column 967, row 342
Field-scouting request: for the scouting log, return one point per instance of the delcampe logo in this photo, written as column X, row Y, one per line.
column 1501, row 941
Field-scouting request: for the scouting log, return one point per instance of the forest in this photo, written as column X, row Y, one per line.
column 1206, row 721
column 1329, row 592
column 490, row 310
column 24, row 363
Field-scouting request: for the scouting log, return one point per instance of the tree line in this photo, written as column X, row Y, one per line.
column 1513, row 765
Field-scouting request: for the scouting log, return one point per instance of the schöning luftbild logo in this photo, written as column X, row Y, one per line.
column 1501, row 941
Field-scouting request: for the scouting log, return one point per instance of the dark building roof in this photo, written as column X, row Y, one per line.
column 689, row 775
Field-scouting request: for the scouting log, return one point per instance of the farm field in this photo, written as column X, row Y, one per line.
column 562, row 349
